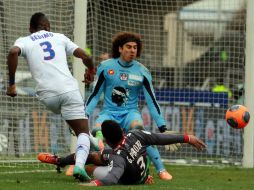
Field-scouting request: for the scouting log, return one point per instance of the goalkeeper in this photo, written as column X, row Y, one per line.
column 121, row 79
column 126, row 161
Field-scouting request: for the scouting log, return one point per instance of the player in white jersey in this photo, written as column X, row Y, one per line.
column 46, row 53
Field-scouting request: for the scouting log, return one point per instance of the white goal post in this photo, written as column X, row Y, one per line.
column 80, row 39
column 248, row 158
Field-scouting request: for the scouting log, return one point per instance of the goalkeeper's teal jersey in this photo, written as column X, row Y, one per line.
column 121, row 84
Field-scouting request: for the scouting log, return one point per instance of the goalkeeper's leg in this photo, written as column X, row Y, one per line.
column 96, row 138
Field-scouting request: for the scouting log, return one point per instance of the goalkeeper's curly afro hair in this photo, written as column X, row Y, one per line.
column 112, row 132
column 122, row 38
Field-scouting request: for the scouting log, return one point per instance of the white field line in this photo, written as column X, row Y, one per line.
column 26, row 171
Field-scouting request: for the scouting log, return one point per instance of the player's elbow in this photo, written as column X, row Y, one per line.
column 86, row 59
column 14, row 51
column 79, row 53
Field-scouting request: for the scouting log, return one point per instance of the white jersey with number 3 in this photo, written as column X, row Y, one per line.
column 46, row 54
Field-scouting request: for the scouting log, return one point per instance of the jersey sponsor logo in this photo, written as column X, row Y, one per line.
column 135, row 77
column 123, row 76
column 111, row 72
column 134, row 83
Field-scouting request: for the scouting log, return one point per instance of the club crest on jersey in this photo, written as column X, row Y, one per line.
column 111, row 72
column 124, row 76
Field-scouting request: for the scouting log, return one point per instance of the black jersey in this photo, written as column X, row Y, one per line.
column 128, row 160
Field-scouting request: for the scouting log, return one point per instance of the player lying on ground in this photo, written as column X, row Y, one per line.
column 127, row 156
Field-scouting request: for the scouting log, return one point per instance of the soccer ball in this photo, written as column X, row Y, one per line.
column 237, row 116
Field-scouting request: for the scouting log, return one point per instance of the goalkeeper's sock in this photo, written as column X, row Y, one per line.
column 97, row 141
column 154, row 155
column 94, row 130
column 99, row 135
column 93, row 143
column 82, row 151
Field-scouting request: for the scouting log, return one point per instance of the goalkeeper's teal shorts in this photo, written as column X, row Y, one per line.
column 124, row 118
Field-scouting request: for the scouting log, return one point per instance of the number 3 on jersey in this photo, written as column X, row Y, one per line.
column 47, row 48
column 141, row 164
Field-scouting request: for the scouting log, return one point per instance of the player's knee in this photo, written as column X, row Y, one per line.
column 136, row 125
column 140, row 127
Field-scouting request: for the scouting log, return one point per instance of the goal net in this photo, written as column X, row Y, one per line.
column 194, row 50
column 26, row 127
column 195, row 53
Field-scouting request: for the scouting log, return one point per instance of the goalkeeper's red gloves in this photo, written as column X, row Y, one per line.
column 162, row 128
column 89, row 75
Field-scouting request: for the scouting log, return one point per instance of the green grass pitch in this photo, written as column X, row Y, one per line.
column 184, row 178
